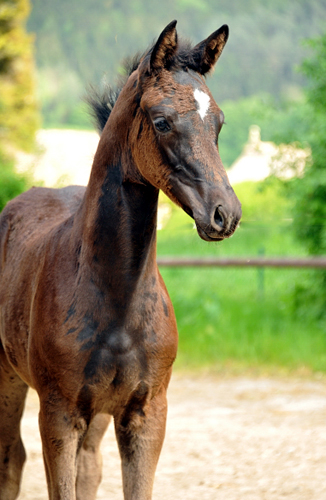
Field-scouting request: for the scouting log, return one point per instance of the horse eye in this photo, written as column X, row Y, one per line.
column 162, row 125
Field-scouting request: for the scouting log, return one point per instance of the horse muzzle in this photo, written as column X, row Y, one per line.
column 221, row 227
column 215, row 222
column 216, row 210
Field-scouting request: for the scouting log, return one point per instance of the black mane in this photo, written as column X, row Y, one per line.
column 101, row 102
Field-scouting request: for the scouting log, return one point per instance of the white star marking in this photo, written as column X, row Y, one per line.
column 203, row 102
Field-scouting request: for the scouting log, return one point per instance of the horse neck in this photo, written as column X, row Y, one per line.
column 119, row 212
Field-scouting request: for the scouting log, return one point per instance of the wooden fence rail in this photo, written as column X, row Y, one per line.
column 313, row 262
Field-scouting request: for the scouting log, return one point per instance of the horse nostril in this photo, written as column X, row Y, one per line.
column 218, row 218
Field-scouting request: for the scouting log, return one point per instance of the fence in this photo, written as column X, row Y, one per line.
column 259, row 262
column 313, row 262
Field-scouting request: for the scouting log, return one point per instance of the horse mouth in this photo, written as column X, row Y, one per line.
column 201, row 232
column 211, row 235
column 208, row 237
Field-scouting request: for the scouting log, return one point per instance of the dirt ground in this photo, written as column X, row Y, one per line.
column 227, row 438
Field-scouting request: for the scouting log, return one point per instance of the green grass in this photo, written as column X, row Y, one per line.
column 242, row 317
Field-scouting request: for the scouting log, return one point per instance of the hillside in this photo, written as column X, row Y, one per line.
column 83, row 41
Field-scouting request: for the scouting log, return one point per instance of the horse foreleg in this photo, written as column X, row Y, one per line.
column 61, row 436
column 12, row 453
column 89, row 463
column 140, row 433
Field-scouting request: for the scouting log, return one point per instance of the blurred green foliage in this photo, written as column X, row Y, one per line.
column 11, row 182
column 303, row 122
column 280, row 120
column 266, row 221
column 19, row 114
column 309, row 192
column 82, row 42
column 243, row 318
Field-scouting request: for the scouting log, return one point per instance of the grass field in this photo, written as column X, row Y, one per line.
column 242, row 318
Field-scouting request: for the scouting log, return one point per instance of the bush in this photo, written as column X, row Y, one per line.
column 19, row 116
column 11, row 183
column 309, row 192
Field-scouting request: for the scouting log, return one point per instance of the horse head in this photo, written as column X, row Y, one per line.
column 175, row 145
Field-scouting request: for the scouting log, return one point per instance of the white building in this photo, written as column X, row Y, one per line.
column 260, row 159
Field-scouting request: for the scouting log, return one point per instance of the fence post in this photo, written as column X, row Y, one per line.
column 261, row 276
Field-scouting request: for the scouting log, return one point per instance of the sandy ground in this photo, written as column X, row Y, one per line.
column 227, row 438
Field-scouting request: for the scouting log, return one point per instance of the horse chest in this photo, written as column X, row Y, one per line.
column 112, row 367
column 124, row 352
column 114, row 354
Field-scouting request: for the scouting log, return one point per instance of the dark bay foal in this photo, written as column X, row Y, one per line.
column 85, row 317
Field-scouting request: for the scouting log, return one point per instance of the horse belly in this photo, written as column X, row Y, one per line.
column 16, row 295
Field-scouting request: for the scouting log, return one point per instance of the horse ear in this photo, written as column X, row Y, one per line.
column 165, row 47
column 207, row 52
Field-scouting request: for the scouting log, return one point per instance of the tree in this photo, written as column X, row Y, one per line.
column 19, row 116
column 80, row 42
column 310, row 214
column 310, row 191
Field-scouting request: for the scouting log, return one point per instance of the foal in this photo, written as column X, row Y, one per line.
column 85, row 317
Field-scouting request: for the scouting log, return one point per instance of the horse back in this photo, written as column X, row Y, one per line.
column 33, row 214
